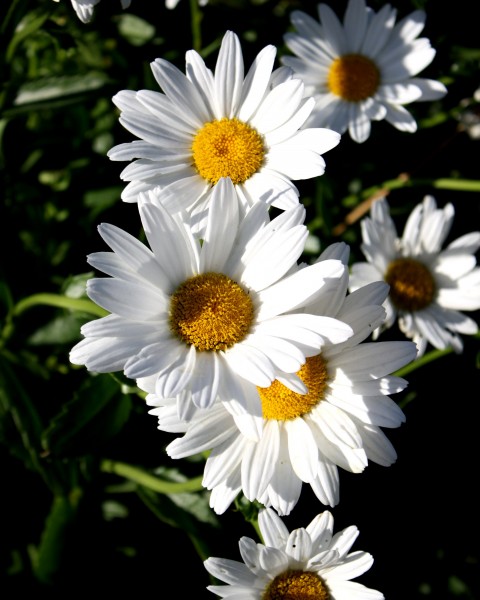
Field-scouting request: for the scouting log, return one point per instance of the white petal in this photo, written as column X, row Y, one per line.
column 302, row 449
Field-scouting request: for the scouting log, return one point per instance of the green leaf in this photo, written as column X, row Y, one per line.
column 61, row 330
column 189, row 512
column 96, row 413
column 58, row 88
column 17, row 409
column 100, row 200
column 135, row 30
column 47, row 559
column 31, row 23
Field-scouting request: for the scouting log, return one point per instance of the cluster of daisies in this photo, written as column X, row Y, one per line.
column 269, row 365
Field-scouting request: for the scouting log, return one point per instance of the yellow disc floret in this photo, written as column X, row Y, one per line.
column 296, row 585
column 211, row 312
column 353, row 77
column 227, row 148
column 412, row 286
column 281, row 404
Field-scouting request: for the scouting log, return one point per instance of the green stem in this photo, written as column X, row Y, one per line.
column 195, row 21
column 150, row 481
column 423, row 360
column 78, row 304
column 464, row 185
column 427, row 358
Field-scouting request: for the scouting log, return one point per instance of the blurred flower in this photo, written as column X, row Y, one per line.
column 173, row 3
column 428, row 285
column 207, row 126
column 469, row 115
column 303, row 437
column 199, row 316
column 84, row 8
column 309, row 562
column 363, row 70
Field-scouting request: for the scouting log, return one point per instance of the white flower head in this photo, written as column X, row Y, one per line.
column 309, row 562
column 84, row 8
column 200, row 316
column 204, row 126
column 327, row 415
column 469, row 116
column 429, row 287
column 363, row 70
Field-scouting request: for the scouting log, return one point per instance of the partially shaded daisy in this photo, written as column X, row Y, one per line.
column 199, row 316
column 362, row 70
column 205, row 126
column 310, row 562
column 327, row 415
column 84, row 8
column 428, row 286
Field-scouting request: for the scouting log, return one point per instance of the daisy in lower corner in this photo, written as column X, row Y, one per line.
column 200, row 315
column 204, row 126
column 304, row 425
column 429, row 286
column 308, row 562
column 362, row 70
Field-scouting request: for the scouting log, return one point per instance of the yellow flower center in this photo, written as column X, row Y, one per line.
column 353, row 77
column 211, row 312
column 296, row 585
column 412, row 286
column 227, row 148
column 281, row 404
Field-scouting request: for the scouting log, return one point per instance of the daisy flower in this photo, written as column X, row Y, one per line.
column 205, row 126
column 327, row 415
column 84, row 8
column 364, row 70
column 428, row 286
column 199, row 316
column 309, row 562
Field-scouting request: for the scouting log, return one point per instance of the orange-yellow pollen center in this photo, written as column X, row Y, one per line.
column 412, row 286
column 211, row 312
column 282, row 404
column 227, row 148
column 353, row 77
column 296, row 585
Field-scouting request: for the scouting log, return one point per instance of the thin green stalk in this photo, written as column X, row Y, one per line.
column 78, row 304
column 422, row 361
column 426, row 359
column 150, row 481
column 196, row 16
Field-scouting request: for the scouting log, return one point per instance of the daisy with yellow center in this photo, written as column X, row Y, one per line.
column 309, row 563
column 428, row 286
column 205, row 126
column 304, row 425
column 200, row 317
column 363, row 69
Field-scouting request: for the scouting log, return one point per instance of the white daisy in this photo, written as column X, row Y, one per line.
column 84, row 8
column 362, row 70
column 205, row 126
column 428, row 286
column 299, row 437
column 310, row 562
column 199, row 316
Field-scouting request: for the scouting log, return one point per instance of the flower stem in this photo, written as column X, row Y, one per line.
column 151, row 481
